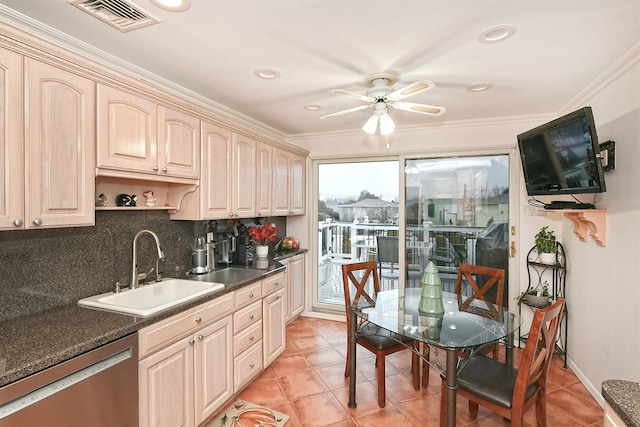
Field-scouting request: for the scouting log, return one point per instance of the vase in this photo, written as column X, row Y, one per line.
column 262, row 251
column 547, row 258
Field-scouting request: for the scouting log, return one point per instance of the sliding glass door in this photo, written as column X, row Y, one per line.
column 456, row 211
column 356, row 202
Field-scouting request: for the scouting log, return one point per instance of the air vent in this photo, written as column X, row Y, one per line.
column 122, row 14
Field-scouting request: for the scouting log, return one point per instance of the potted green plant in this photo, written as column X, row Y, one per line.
column 536, row 297
column 546, row 245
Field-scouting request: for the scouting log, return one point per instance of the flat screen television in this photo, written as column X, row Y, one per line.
column 562, row 156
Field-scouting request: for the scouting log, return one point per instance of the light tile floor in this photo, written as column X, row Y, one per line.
column 307, row 382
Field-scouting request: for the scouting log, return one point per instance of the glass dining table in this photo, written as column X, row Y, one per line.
column 466, row 324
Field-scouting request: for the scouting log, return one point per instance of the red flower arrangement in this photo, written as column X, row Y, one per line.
column 264, row 234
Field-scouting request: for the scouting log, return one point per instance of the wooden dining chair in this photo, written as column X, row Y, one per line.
column 363, row 277
column 509, row 391
column 480, row 283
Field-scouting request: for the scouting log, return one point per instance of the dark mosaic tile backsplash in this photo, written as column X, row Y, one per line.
column 42, row 269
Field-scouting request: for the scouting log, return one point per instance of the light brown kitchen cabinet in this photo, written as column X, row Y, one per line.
column 294, row 297
column 186, row 365
column 243, row 195
column 288, row 183
column 247, row 329
column 273, row 335
column 11, row 141
column 228, row 178
column 137, row 135
column 264, row 175
column 178, row 143
column 127, row 131
column 59, row 148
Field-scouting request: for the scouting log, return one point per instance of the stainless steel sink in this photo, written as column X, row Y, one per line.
column 151, row 298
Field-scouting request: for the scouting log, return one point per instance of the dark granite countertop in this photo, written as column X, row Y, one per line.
column 624, row 398
column 36, row 342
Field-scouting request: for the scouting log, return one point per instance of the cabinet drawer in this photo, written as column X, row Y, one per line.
column 247, row 316
column 247, row 366
column 247, row 338
column 164, row 332
column 272, row 283
column 248, row 294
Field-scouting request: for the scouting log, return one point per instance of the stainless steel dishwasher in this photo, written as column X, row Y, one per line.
column 98, row 388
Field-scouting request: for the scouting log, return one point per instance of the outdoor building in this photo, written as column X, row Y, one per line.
column 369, row 210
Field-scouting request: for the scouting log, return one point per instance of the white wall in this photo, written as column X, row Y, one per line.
column 603, row 297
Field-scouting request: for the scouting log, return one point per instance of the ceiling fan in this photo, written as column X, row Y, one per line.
column 382, row 95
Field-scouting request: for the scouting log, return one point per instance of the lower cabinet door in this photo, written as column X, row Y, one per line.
column 166, row 386
column 273, row 310
column 213, row 368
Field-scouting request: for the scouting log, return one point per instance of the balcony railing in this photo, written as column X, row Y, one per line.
column 342, row 242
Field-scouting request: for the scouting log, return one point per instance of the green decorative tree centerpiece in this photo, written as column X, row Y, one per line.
column 431, row 307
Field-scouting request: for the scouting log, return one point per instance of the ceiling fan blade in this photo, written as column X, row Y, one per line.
column 410, row 89
column 350, row 110
column 430, row 110
column 364, row 98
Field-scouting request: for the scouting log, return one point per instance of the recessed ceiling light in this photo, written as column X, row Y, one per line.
column 312, row 107
column 267, row 73
column 497, row 33
column 173, row 5
column 479, row 87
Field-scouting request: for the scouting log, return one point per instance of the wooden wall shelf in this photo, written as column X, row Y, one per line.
column 589, row 222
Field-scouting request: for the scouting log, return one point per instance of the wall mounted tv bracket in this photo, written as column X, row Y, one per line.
column 608, row 155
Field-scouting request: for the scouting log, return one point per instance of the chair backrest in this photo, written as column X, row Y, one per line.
column 541, row 341
column 490, row 289
column 358, row 274
column 388, row 249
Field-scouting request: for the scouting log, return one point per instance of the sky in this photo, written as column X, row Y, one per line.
column 349, row 179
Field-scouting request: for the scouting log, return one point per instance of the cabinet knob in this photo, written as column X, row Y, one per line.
column 251, row 317
column 251, row 338
column 37, row 221
column 18, row 222
column 198, row 319
column 251, row 295
column 191, row 340
column 200, row 337
column 277, row 296
column 251, row 365
column 165, row 170
column 155, row 168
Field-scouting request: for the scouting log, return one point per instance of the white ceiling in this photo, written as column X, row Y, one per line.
column 560, row 48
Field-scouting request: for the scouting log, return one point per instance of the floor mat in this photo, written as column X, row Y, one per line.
column 246, row 414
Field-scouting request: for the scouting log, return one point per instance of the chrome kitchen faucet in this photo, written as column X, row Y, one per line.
column 135, row 277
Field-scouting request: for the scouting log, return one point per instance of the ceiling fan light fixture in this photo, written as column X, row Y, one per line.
column 386, row 124
column 371, row 125
column 173, row 5
column 312, row 107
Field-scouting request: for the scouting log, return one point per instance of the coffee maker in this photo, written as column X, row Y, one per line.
column 202, row 256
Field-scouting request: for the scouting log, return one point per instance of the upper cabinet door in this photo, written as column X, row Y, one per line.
column 215, row 182
column 178, row 143
column 126, row 131
column 244, row 176
column 11, row 141
column 297, row 167
column 60, row 147
column 280, row 206
column 264, row 179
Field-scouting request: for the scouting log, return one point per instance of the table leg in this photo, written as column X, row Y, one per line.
column 352, row 359
column 509, row 350
column 452, row 385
